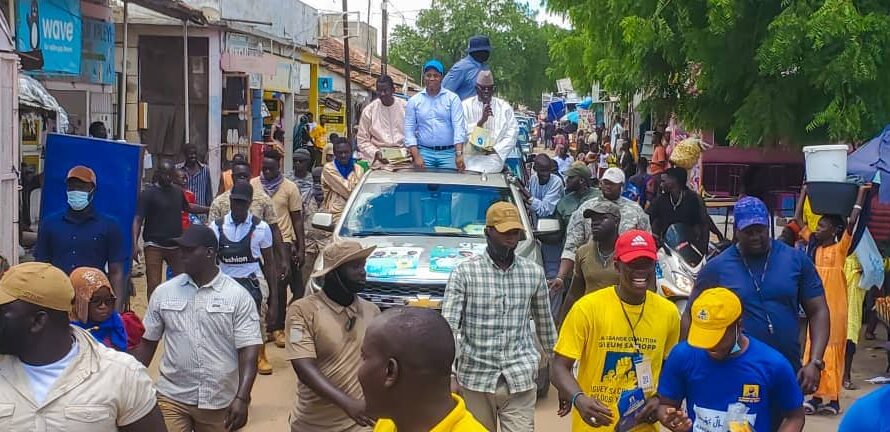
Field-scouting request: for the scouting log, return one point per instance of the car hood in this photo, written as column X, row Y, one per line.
column 419, row 259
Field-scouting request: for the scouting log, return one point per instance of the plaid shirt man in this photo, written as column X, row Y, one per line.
column 488, row 310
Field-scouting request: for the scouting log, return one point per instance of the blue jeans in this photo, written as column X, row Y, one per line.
column 437, row 158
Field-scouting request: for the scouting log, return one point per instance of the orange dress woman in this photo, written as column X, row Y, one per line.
column 829, row 246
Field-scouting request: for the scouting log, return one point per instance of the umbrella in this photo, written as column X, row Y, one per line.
column 586, row 103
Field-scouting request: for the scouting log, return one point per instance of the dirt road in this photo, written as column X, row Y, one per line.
column 273, row 395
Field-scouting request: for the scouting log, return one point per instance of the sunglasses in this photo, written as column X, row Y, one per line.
column 107, row 301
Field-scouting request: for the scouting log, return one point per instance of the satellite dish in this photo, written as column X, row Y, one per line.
column 212, row 14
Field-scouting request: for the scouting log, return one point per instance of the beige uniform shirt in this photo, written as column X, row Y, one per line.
column 319, row 328
column 287, row 199
column 337, row 189
column 101, row 390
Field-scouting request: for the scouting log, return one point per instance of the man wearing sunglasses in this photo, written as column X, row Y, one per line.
column 492, row 127
column 324, row 333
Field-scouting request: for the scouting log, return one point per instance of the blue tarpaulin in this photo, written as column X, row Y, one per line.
column 873, row 158
column 555, row 110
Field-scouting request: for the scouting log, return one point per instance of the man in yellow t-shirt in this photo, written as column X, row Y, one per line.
column 319, row 135
column 405, row 374
column 620, row 337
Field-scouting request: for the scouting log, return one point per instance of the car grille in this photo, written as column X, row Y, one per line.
column 387, row 294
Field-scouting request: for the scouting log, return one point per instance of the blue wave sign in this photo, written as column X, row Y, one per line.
column 49, row 35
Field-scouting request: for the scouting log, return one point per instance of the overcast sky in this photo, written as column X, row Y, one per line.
column 406, row 11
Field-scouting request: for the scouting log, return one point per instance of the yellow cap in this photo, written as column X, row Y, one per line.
column 714, row 311
column 37, row 283
column 503, row 217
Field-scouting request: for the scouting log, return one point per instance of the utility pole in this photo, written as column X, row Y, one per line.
column 383, row 58
column 348, row 72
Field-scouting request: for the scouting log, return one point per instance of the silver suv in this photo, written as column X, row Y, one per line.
column 424, row 223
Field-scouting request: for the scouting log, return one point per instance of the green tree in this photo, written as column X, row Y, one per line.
column 764, row 72
column 520, row 54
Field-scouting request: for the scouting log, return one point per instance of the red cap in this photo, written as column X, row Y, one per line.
column 635, row 244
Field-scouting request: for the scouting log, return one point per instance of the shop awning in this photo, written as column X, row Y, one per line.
column 175, row 9
column 33, row 94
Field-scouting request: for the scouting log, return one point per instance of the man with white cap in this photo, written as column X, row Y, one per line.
column 754, row 379
column 579, row 231
column 494, row 116
column 488, row 302
column 324, row 336
column 81, row 236
column 56, row 377
column 461, row 78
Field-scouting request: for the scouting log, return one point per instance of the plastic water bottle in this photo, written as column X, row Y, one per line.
column 737, row 418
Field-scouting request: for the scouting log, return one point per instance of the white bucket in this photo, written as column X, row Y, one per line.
column 826, row 163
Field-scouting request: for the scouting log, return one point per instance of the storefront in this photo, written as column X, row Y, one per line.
column 9, row 148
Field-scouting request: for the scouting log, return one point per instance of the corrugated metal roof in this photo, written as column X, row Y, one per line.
column 332, row 53
column 174, row 8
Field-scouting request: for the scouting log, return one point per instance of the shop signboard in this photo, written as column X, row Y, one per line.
column 49, row 35
column 332, row 104
column 286, row 78
column 325, row 84
column 97, row 63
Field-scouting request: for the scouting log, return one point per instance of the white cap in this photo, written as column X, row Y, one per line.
column 614, row 175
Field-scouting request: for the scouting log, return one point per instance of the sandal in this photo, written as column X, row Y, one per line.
column 832, row 408
column 812, row 406
column 850, row 385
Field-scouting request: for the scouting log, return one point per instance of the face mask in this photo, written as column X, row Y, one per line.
column 500, row 253
column 736, row 348
column 78, row 200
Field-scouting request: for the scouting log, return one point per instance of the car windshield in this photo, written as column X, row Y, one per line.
column 421, row 209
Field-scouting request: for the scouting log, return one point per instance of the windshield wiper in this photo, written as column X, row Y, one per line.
column 382, row 233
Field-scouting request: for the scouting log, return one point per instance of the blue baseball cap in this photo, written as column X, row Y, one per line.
column 434, row 64
column 750, row 211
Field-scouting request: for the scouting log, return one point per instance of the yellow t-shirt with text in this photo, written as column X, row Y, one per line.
column 598, row 335
column 458, row 420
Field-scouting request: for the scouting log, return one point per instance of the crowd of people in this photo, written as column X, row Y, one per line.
column 73, row 356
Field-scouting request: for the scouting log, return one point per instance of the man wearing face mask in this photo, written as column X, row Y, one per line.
column 461, row 78
column 488, row 302
column 80, row 236
column 751, row 374
column 619, row 336
column 324, row 333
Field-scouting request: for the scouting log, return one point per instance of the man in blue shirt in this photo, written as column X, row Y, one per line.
column 434, row 122
column 727, row 379
column 461, row 78
column 773, row 281
column 868, row 413
column 82, row 237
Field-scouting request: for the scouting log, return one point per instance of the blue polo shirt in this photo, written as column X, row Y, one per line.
column 759, row 378
column 72, row 239
column 790, row 280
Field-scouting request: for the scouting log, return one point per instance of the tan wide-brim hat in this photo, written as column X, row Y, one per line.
column 342, row 252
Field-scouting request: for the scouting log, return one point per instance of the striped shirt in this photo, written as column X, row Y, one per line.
column 203, row 329
column 488, row 310
column 199, row 183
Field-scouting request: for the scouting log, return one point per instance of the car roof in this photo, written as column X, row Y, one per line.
column 437, row 176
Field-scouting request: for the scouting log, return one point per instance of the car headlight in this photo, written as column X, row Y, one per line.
column 683, row 283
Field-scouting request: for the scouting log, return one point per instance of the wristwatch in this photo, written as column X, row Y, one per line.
column 819, row 364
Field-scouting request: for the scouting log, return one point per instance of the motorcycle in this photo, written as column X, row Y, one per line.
column 679, row 263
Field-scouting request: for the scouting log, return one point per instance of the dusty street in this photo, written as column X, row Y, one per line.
column 273, row 395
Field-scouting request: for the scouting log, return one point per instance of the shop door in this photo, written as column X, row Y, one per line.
column 9, row 157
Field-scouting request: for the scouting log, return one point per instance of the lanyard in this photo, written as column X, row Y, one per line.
column 758, row 284
column 633, row 327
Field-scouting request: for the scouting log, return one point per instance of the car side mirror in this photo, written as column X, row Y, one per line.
column 547, row 226
column 323, row 221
